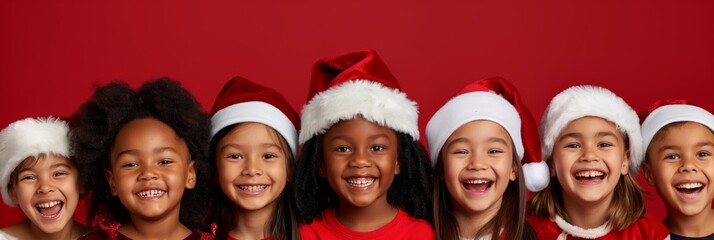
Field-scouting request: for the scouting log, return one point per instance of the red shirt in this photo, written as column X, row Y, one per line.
column 647, row 227
column 403, row 226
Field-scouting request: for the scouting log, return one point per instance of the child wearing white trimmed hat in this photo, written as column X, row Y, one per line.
column 38, row 176
column 592, row 144
column 679, row 162
column 478, row 141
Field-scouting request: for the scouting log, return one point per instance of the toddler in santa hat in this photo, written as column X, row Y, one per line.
column 477, row 142
column 253, row 150
column 592, row 144
column 362, row 173
column 679, row 162
column 38, row 175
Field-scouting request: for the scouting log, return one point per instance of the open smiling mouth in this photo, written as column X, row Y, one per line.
column 151, row 193
column 590, row 175
column 50, row 209
column 252, row 188
column 477, row 185
column 689, row 188
column 361, row 182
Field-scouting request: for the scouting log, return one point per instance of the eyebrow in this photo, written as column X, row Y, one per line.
column 489, row 140
column 155, row 151
column 372, row 137
column 56, row 165
column 702, row 144
column 580, row 135
column 238, row 146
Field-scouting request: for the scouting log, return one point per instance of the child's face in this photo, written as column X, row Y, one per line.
column 150, row 168
column 252, row 166
column 478, row 164
column 360, row 161
column 680, row 164
column 589, row 157
column 47, row 192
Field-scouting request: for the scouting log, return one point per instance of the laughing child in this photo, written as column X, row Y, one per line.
column 38, row 175
column 679, row 162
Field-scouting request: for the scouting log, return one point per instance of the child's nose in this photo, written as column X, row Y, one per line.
column 588, row 154
column 477, row 162
column 46, row 186
column 148, row 173
column 252, row 168
column 688, row 165
column 360, row 159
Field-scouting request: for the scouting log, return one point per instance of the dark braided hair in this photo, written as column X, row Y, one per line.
column 97, row 122
column 410, row 190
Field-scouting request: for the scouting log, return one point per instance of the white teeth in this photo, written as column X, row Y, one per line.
column 48, row 204
column 360, row 182
column 252, row 188
column 589, row 174
column 151, row 193
column 690, row 185
column 477, row 181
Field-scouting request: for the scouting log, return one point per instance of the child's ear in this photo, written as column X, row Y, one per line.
column 110, row 180
column 550, row 167
column 397, row 168
column 647, row 172
column 626, row 163
column 514, row 172
column 321, row 170
column 191, row 178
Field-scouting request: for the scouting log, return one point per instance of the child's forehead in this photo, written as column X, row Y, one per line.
column 591, row 124
column 684, row 128
column 44, row 161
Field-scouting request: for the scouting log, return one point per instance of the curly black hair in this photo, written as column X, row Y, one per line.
column 97, row 122
column 283, row 222
column 410, row 190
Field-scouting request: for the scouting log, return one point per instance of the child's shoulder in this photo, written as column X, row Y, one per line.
column 544, row 227
column 411, row 227
column 403, row 226
column 647, row 227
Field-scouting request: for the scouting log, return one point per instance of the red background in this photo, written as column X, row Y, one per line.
column 53, row 53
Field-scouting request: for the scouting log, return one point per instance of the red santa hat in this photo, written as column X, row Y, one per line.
column 583, row 101
column 356, row 84
column 667, row 111
column 242, row 100
column 30, row 137
column 497, row 100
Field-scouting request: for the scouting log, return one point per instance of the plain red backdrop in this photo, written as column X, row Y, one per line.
column 54, row 53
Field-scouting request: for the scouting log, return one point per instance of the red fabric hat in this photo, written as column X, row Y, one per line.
column 242, row 100
column 497, row 100
column 356, row 84
column 668, row 111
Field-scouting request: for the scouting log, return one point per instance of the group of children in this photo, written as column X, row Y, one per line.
column 153, row 165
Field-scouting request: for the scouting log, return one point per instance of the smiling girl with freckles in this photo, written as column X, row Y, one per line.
column 38, row 176
column 680, row 164
column 592, row 143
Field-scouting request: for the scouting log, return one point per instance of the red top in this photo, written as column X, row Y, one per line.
column 647, row 227
column 403, row 226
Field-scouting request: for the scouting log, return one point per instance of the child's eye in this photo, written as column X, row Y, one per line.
column 269, row 156
column 377, row 148
column 129, row 164
column 234, row 156
column 461, row 151
column 495, row 151
column 165, row 162
column 57, row 174
column 28, row 177
column 572, row 145
column 604, row 144
column 671, row 156
column 342, row 149
column 703, row 154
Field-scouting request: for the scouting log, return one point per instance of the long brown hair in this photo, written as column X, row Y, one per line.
column 511, row 216
column 626, row 206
